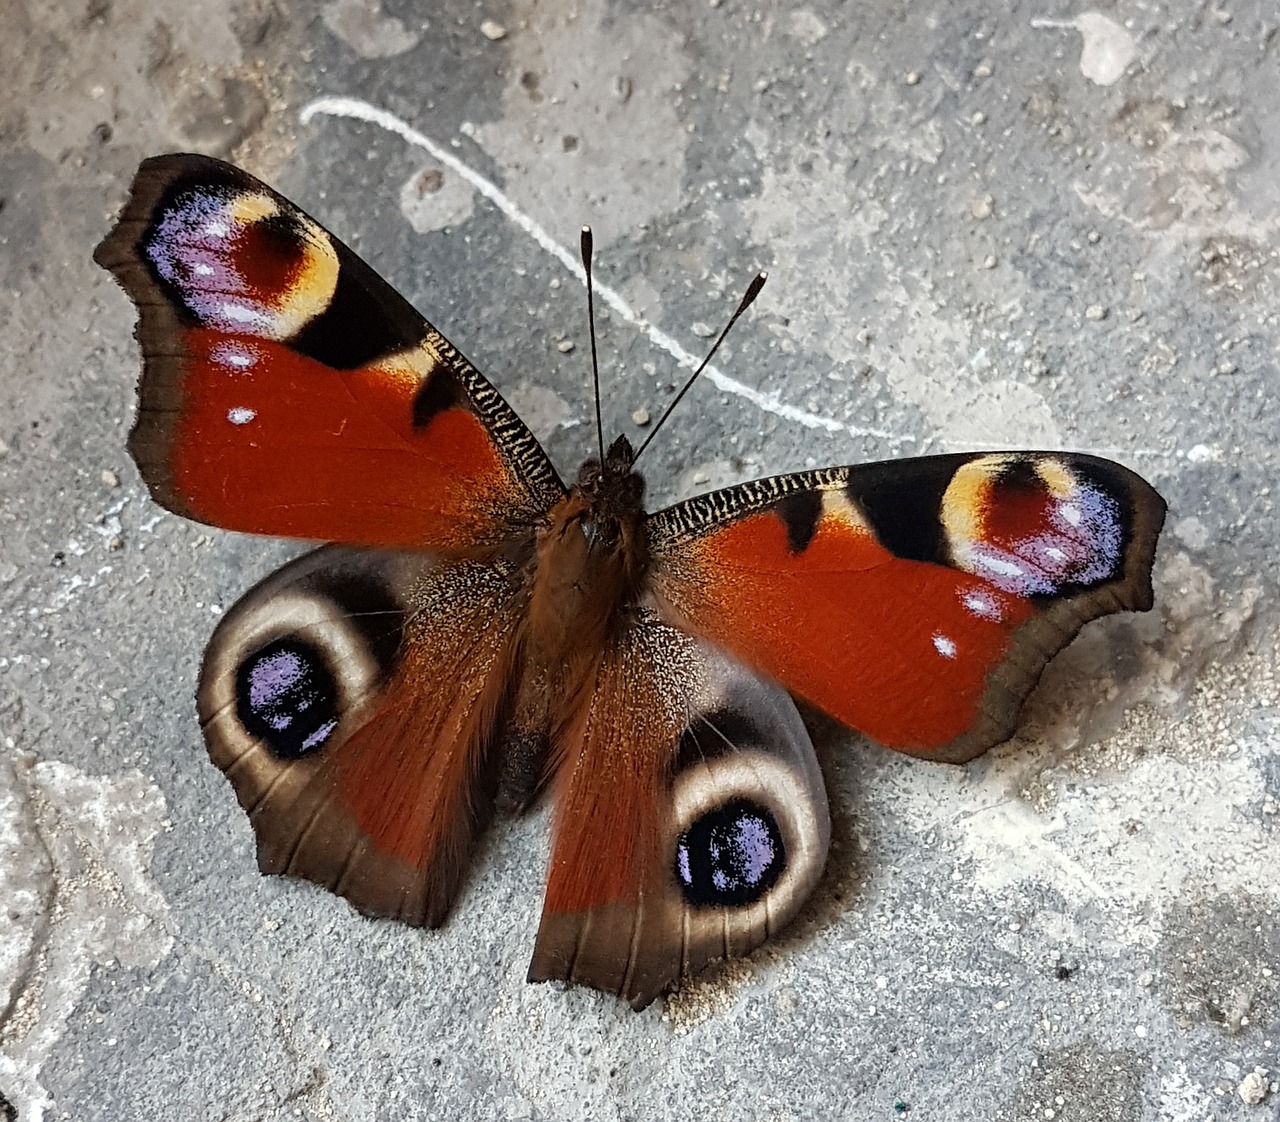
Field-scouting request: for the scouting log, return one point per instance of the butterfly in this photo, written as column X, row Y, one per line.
column 479, row 634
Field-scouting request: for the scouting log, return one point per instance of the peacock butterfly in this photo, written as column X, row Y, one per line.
column 481, row 632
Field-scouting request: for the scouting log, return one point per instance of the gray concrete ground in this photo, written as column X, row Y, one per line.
column 987, row 224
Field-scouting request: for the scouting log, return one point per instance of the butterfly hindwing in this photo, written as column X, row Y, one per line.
column 919, row 600
column 352, row 699
column 691, row 818
column 287, row 389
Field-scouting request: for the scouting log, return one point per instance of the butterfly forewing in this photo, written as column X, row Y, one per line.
column 917, row 601
column 287, row 389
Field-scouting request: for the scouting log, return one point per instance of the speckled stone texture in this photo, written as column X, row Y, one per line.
column 986, row 224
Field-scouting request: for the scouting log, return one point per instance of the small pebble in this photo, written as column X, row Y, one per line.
column 564, row 346
column 1095, row 312
column 1253, row 1088
column 913, row 78
column 640, row 417
column 701, row 330
column 429, row 181
column 109, row 478
column 989, row 262
column 978, row 118
column 1093, row 237
column 982, row 207
column 491, row 29
column 983, row 69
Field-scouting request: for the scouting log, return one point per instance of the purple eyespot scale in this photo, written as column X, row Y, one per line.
column 287, row 698
column 1082, row 545
column 192, row 248
column 731, row 856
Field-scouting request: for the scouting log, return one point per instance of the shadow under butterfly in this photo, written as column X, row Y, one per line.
column 481, row 633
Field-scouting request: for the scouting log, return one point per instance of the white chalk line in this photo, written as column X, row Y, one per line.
column 769, row 403
column 354, row 108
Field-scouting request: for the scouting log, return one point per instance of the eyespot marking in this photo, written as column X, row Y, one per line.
column 731, row 856
column 287, row 698
column 237, row 262
column 1032, row 528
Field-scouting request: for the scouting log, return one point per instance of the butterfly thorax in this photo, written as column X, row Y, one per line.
column 587, row 578
column 591, row 560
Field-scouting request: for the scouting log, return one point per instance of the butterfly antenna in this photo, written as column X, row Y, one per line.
column 753, row 290
column 591, row 319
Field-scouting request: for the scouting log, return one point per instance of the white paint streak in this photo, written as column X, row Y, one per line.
column 769, row 403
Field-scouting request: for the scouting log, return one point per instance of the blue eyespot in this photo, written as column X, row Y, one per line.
column 731, row 856
column 287, row 698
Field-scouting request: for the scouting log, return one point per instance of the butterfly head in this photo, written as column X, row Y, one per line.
column 612, row 489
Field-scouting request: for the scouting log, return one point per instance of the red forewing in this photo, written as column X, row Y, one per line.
column 919, row 600
column 287, row 389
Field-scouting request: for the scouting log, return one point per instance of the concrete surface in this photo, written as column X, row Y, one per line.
column 986, row 224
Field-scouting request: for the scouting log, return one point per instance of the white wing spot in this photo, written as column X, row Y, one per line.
column 216, row 228
column 231, row 355
column 999, row 566
column 240, row 415
column 203, row 270
column 981, row 605
column 239, row 313
column 944, row 646
column 1071, row 513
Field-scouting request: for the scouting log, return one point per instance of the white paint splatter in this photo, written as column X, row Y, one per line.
column 367, row 29
column 240, row 415
column 944, row 646
column 433, row 200
column 1204, row 454
column 997, row 413
column 1108, row 48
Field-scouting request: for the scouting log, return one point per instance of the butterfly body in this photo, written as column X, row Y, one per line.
column 481, row 633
